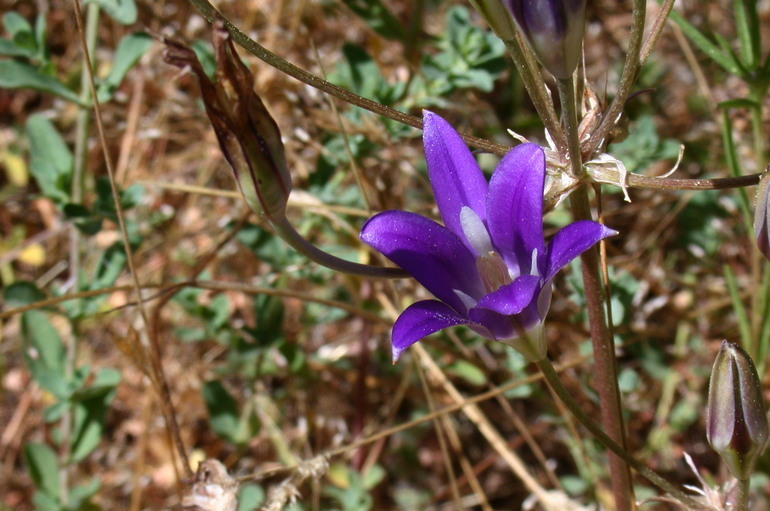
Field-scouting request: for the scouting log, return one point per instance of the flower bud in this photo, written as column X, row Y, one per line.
column 736, row 423
column 554, row 31
column 761, row 226
column 248, row 135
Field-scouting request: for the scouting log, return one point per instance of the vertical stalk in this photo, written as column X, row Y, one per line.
column 601, row 334
column 535, row 84
column 82, row 125
column 552, row 378
column 742, row 495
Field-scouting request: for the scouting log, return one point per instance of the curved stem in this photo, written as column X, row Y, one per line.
column 552, row 378
column 599, row 325
column 290, row 235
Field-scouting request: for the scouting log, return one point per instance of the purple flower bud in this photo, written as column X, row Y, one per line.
column 736, row 423
column 248, row 135
column 554, row 31
column 761, row 226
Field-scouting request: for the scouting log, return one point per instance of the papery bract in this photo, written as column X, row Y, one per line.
column 488, row 265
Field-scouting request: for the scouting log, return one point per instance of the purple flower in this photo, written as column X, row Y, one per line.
column 489, row 265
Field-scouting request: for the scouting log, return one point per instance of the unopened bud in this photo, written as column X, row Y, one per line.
column 554, row 31
column 761, row 225
column 248, row 135
column 736, row 422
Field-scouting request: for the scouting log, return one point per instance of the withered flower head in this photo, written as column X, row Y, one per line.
column 248, row 135
column 736, row 423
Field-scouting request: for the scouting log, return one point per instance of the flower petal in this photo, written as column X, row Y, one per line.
column 511, row 298
column 515, row 206
column 572, row 241
column 420, row 320
column 428, row 251
column 455, row 176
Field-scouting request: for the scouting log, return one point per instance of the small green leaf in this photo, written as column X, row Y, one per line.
column 223, row 409
column 22, row 293
column 250, row 497
column 21, row 75
column 129, row 51
column 51, row 161
column 122, row 11
column 468, row 372
column 43, row 468
column 705, row 45
column 378, row 17
column 42, row 336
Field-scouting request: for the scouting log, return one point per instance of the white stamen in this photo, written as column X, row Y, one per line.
column 475, row 231
column 533, row 269
column 467, row 300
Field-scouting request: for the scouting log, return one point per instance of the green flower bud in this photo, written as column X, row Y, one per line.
column 736, row 423
column 248, row 135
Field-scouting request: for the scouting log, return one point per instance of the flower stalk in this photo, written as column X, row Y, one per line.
column 601, row 333
column 554, row 382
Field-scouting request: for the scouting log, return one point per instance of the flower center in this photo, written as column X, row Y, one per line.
column 492, row 269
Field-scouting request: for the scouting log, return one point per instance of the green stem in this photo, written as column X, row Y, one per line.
column 601, row 333
column 742, row 495
column 290, row 235
column 530, row 74
column 552, row 378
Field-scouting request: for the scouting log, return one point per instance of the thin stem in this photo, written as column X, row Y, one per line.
column 530, row 74
column 627, row 77
column 77, row 190
column 655, row 31
column 742, row 495
column 552, row 378
column 287, row 232
column 601, row 333
column 164, row 391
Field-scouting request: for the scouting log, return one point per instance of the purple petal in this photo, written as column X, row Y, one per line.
column 515, row 206
column 511, row 298
column 572, row 241
column 428, row 251
column 420, row 320
column 455, row 176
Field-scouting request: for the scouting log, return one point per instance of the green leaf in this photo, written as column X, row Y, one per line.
column 21, row 75
column 129, row 51
column 378, row 18
column 42, row 336
column 468, row 372
column 747, row 26
column 51, row 161
column 79, row 495
column 705, row 45
column 223, row 410
column 43, row 468
column 250, row 497
column 88, row 424
column 122, row 11
column 22, row 293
